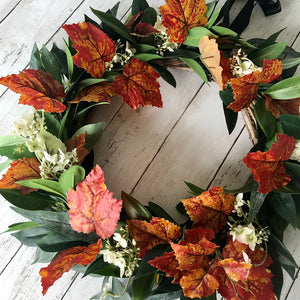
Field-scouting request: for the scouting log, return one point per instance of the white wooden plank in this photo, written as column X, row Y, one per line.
column 6, row 7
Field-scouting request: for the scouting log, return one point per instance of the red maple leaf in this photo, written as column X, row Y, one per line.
column 138, row 85
column 245, row 88
column 93, row 45
column 148, row 235
column 144, row 29
column 181, row 15
column 37, row 88
column 21, row 169
column 210, row 208
column 236, row 270
column 268, row 167
column 195, row 235
column 78, row 142
column 283, row 107
column 66, row 260
column 92, row 206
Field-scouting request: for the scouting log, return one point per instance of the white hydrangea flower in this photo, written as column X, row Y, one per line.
column 245, row 235
column 296, row 153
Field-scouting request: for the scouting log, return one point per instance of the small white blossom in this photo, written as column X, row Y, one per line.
column 105, row 290
column 238, row 204
column 246, row 258
column 296, row 153
column 245, row 235
column 118, row 238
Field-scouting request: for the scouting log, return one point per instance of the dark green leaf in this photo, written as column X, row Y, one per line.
column 226, row 96
column 293, row 169
column 210, row 8
column 256, row 201
column 100, row 267
column 291, row 125
column 297, row 204
column 144, row 48
column 139, row 5
column 230, row 117
column 149, row 16
column 196, row 34
column 195, row 67
column 35, row 60
column 33, row 201
column 50, row 64
column 185, row 53
column 87, row 82
column 277, row 279
column 160, row 212
column 271, row 39
column 180, row 208
column 14, row 151
column 166, row 296
column 288, row 63
column 61, row 59
column 212, row 19
column 70, row 62
column 114, row 23
column 21, row 226
column 114, row 10
column 223, row 31
column 52, row 123
column 141, row 287
column 147, row 56
column 43, row 256
column 195, row 190
column 164, row 73
column 29, row 237
column 285, row 89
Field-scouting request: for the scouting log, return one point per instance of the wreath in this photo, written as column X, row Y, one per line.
column 231, row 241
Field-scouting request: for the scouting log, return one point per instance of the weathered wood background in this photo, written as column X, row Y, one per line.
column 148, row 152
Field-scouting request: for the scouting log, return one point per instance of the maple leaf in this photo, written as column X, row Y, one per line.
column 199, row 284
column 210, row 208
column 100, row 92
column 148, row 235
column 214, row 60
column 195, row 235
column 37, row 88
column 283, row 107
column 234, row 269
column 268, row 167
column 181, row 15
column 78, row 142
column 92, row 206
column 21, row 169
column 245, row 88
column 65, row 260
column 93, row 45
column 144, row 29
column 138, row 85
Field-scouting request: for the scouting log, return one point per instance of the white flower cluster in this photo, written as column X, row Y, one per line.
column 246, row 234
column 122, row 252
column 296, row 153
column 52, row 166
column 241, row 65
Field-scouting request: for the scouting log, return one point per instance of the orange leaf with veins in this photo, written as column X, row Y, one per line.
column 148, row 235
column 234, row 269
column 66, row 260
column 37, row 88
column 21, row 169
column 268, row 167
column 93, row 45
column 138, row 85
column 283, row 107
column 92, row 206
column 78, row 142
column 210, row 208
column 181, row 15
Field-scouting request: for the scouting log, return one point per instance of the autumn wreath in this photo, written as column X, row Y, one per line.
column 230, row 240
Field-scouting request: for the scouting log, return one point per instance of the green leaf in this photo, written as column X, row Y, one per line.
column 33, row 201
column 144, row 48
column 210, row 8
column 251, row 185
column 52, row 123
column 220, row 30
column 147, row 56
column 149, row 16
column 196, row 34
column 284, row 206
column 35, row 59
column 285, row 89
column 50, row 63
column 195, row 67
column 226, row 96
column 43, row 256
column 270, row 52
column 141, row 287
column 71, row 177
column 21, row 226
column 270, row 40
column 184, row 53
column 166, row 296
column 61, row 59
column 114, row 23
column 230, row 117
column 30, row 236
column 256, row 201
column 288, row 63
column 11, row 140
column 69, row 61
column 277, row 279
column 93, row 134
column 293, row 169
column 15, row 151
column 164, row 73
column 160, row 212
column 213, row 19
column 138, row 5
column 291, row 125
column 195, row 190
column 5, row 164
column 100, row 267
column 134, row 209
column 87, row 82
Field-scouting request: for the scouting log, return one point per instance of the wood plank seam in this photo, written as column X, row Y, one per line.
column 4, row 268
column 10, row 12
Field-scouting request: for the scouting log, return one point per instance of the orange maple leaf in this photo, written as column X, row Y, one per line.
column 235, row 270
column 100, row 92
column 21, row 169
column 268, row 167
column 210, row 208
column 66, row 260
column 148, row 235
column 214, row 60
column 283, row 107
column 93, row 45
column 195, row 235
column 181, row 15
column 37, row 88
column 245, row 88
column 78, row 142
column 92, row 206
column 138, row 85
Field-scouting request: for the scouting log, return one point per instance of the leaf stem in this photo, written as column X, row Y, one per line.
column 123, row 292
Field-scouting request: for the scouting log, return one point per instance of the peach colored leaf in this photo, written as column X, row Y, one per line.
column 268, row 167
column 210, row 208
column 148, row 235
column 199, row 284
column 245, row 88
column 78, row 142
column 92, row 206
column 234, row 269
column 66, row 260
column 181, row 15
column 138, row 85
column 37, row 88
column 21, row 169
column 100, row 92
column 283, row 107
column 93, row 45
